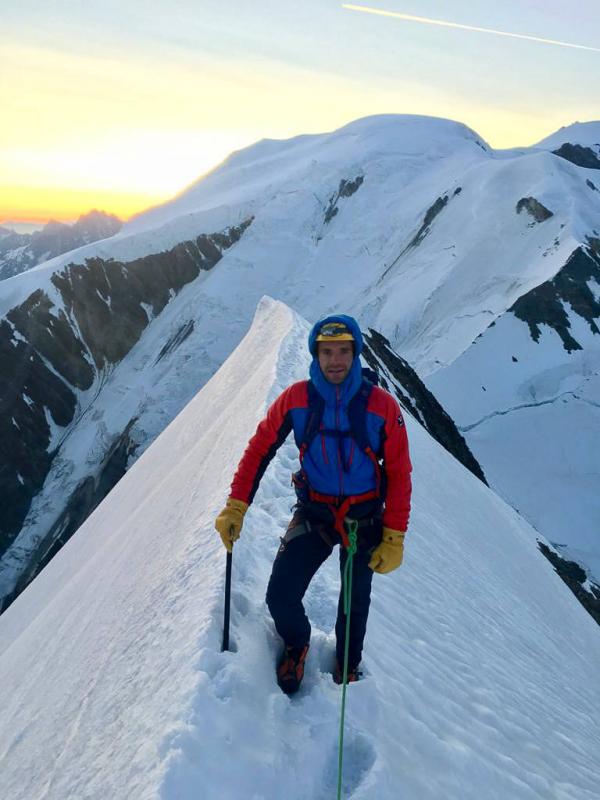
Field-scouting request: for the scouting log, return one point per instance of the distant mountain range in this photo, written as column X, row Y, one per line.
column 474, row 273
column 22, row 251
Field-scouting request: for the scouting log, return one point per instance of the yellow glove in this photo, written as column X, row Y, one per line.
column 229, row 522
column 389, row 552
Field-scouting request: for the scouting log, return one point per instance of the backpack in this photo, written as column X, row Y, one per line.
column 357, row 417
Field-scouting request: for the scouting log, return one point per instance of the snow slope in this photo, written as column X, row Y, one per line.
column 113, row 681
column 585, row 134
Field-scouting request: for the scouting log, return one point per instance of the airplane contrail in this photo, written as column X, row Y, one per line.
column 445, row 24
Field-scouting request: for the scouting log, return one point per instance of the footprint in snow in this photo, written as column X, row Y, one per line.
column 240, row 603
column 359, row 758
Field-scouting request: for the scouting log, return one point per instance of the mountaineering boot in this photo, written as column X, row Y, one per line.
column 290, row 669
column 353, row 674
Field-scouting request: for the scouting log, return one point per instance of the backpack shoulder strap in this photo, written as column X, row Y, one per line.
column 316, row 408
column 370, row 375
column 357, row 414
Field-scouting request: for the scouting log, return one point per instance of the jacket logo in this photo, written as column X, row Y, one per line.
column 400, row 420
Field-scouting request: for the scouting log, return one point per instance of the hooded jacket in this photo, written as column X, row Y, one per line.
column 333, row 465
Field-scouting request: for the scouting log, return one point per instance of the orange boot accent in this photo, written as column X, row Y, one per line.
column 290, row 669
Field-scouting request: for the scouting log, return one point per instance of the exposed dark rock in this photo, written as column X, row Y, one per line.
column 578, row 155
column 46, row 353
column 458, row 190
column 54, row 338
column 430, row 215
column 29, row 389
column 89, row 493
column 175, row 340
column 544, row 303
column 414, row 396
column 346, row 189
column 594, row 244
column 574, row 576
column 106, row 299
column 534, row 208
column 591, row 185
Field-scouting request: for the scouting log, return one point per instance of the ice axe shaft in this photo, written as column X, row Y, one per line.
column 225, row 645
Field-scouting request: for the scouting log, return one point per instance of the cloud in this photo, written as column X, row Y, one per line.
column 445, row 24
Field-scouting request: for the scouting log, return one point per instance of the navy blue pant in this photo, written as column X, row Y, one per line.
column 296, row 563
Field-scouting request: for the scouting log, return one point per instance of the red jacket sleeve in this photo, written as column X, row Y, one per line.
column 270, row 435
column 397, row 466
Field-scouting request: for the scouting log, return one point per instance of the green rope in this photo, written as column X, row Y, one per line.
column 347, row 590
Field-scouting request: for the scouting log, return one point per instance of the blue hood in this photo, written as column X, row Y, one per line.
column 351, row 383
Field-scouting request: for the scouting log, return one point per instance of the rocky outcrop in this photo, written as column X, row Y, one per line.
column 534, row 208
column 576, row 579
column 431, row 213
column 22, row 251
column 417, row 399
column 578, row 155
column 178, row 338
column 83, row 500
column 50, row 348
column 346, row 189
column 545, row 304
column 111, row 302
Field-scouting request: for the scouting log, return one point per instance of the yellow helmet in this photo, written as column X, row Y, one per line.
column 334, row 332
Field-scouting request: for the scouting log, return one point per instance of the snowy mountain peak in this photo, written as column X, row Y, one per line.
column 411, row 131
column 272, row 166
column 586, row 134
column 578, row 143
column 387, row 132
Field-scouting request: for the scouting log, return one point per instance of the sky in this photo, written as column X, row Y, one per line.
column 121, row 105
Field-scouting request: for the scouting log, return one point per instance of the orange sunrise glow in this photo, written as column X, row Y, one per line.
column 124, row 117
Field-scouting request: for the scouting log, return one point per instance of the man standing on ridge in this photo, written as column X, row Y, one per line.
column 354, row 465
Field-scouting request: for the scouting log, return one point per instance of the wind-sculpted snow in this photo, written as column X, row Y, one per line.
column 113, row 681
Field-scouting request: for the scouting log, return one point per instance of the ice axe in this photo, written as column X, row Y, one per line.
column 225, row 645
